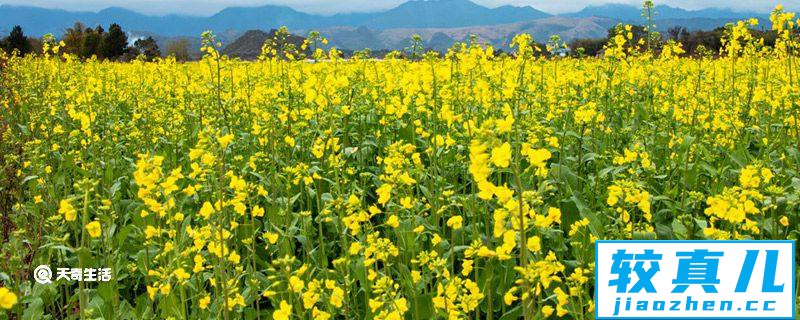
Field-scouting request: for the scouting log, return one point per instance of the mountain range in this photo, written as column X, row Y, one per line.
column 412, row 14
column 499, row 35
column 440, row 22
column 630, row 13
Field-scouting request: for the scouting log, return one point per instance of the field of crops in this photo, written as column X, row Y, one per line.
column 471, row 185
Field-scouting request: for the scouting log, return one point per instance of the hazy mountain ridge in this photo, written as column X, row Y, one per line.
column 39, row 21
column 439, row 22
column 629, row 13
column 499, row 36
column 412, row 14
column 249, row 45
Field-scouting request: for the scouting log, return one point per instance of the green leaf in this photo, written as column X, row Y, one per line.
column 514, row 313
column 679, row 230
column 565, row 175
column 423, row 307
column 595, row 224
column 35, row 309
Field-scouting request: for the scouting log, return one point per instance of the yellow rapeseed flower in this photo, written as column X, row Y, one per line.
column 501, row 156
column 455, row 222
column 225, row 140
column 204, row 302
column 7, row 298
column 65, row 208
column 284, row 312
column 94, row 229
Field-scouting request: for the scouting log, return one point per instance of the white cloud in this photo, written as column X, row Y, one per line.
column 208, row 7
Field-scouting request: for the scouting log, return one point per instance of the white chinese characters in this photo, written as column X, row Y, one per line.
column 43, row 274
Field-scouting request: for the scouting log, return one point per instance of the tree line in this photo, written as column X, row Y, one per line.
column 86, row 42
column 695, row 43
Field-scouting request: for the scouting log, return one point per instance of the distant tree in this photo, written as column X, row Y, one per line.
column 179, row 49
column 114, row 42
column 36, row 45
column 73, row 39
column 710, row 41
column 639, row 33
column 146, row 48
column 92, row 42
column 769, row 36
column 17, row 40
column 677, row 33
column 591, row 47
column 362, row 54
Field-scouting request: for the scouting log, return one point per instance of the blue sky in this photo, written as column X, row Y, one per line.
column 207, row 7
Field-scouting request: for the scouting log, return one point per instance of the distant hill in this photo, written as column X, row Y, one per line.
column 412, row 14
column 693, row 24
column 39, row 21
column 249, row 45
column 500, row 36
column 698, row 19
column 439, row 14
column 354, row 38
column 358, row 38
column 440, row 22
